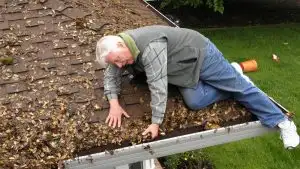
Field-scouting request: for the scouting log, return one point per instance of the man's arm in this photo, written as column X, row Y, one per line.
column 112, row 81
column 155, row 62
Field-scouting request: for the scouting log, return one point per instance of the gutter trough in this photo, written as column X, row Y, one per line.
column 165, row 147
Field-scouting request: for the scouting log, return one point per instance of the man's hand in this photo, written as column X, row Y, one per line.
column 115, row 114
column 153, row 129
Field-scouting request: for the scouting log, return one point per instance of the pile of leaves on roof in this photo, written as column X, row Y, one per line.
column 28, row 141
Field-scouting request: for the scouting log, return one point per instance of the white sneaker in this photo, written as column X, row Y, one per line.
column 238, row 68
column 289, row 135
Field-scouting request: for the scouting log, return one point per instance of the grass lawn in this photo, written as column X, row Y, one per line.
column 279, row 80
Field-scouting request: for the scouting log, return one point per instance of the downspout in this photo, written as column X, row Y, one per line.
column 171, row 23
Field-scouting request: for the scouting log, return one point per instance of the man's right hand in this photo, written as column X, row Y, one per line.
column 115, row 114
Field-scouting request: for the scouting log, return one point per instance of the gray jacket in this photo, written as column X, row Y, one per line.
column 185, row 51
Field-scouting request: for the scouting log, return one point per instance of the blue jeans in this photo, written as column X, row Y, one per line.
column 220, row 81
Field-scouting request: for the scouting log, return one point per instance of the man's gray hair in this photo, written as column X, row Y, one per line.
column 104, row 46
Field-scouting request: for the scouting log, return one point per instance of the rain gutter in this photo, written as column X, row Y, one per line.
column 169, row 146
column 179, row 144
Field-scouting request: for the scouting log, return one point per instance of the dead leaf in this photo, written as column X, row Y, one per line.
column 275, row 58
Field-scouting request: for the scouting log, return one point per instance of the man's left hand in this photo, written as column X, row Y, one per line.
column 153, row 129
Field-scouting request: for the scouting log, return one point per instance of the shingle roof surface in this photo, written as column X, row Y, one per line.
column 53, row 46
column 52, row 43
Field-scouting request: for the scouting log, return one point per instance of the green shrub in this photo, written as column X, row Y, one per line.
column 188, row 160
column 216, row 5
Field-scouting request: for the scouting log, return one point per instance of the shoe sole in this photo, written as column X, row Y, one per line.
column 290, row 147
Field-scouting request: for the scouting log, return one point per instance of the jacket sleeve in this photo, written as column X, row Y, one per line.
column 154, row 60
column 112, row 81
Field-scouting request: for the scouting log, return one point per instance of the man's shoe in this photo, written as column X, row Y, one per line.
column 238, row 68
column 289, row 135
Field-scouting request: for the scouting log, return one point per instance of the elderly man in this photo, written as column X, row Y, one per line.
column 189, row 60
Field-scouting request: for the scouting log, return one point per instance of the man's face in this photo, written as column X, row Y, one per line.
column 120, row 57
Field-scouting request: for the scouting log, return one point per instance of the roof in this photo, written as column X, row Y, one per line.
column 51, row 97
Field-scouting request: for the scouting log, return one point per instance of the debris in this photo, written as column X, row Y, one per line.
column 290, row 114
column 249, row 65
column 97, row 107
column 80, row 23
column 275, row 58
column 7, row 60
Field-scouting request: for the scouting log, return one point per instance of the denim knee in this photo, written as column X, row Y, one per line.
column 193, row 104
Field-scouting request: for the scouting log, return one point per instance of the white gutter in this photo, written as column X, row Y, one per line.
column 167, row 147
column 179, row 144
